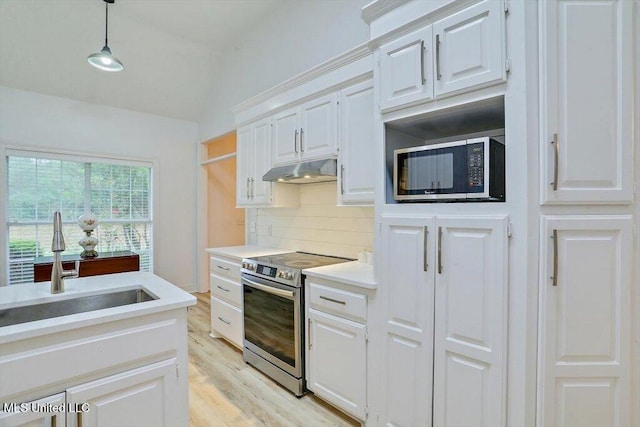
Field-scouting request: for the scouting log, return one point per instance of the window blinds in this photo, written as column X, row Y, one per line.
column 118, row 194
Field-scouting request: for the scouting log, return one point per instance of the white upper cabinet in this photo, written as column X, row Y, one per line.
column 405, row 67
column 253, row 161
column 357, row 145
column 244, row 165
column 319, row 127
column 585, row 343
column 461, row 52
column 307, row 132
column 586, row 82
column 469, row 48
column 261, row 190
column 286, row 136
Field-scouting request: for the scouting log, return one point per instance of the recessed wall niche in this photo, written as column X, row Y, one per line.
column 483, row 118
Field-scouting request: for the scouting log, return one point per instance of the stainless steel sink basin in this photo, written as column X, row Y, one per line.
column 47, row 310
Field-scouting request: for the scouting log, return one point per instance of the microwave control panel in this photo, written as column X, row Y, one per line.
column 475, row 165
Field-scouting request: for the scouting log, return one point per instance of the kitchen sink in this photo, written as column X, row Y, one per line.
column 47, row 310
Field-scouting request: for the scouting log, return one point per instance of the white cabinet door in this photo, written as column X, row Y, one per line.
column 407, row 343
column 469, row 384
column 337, row 362
column 34, row 413
column 405, row 70
column 318, row 132
column 286, row 137
column 469, row 48
column 144, row 396
column 587, row 104
column 244, row 168
column 261, row 190
column 585, row 321
column 357, row 144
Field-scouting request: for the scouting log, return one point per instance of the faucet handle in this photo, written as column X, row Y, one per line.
column 72, row 274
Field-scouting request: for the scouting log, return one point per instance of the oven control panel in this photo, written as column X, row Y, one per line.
column 248, row 266
column 266, row 271
column 285, row 274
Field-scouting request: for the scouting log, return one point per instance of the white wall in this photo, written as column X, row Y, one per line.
column 317, row 226
column 298, row 35
column 33, row 120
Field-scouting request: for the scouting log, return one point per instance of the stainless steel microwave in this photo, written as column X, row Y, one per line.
column 466, row 170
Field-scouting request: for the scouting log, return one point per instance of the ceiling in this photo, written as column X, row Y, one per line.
column 170, row 49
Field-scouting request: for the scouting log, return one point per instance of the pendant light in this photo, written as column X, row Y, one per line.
column 103, row 59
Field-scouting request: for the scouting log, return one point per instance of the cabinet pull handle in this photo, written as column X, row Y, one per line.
column 252, row 188
column 247, row 188
column 438, row 75
column 556, row 155
column 309, row 338
column 301, row 144
column 555, row 257
column 224, row 321
column 424, row 80
column 439, row 250
column 220, row 287
column 295, row 141
column 337, row 301
column 223, row 268
column 342, row 179
column 425, row 266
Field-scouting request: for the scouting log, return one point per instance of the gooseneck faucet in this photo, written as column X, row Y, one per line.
column 58, row 274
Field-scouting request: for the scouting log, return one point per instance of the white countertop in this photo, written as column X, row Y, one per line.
column 169, row 297
column 246, row 251
column 352, row 273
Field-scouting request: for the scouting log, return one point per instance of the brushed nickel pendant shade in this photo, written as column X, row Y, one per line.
column 104, row 60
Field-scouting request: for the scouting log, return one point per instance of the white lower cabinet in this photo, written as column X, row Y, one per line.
column 444, row 323
column 337, row 346
column 585, row 321
column 138, row 397
column 337, row 350
column 33, row 414
column 226, row 299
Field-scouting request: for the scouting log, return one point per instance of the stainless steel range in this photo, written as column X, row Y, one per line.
column 274, row 314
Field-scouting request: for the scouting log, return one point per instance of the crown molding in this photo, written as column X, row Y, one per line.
column 377, row 8
column 342, row 60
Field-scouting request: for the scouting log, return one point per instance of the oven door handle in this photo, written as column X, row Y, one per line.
column 268, row 289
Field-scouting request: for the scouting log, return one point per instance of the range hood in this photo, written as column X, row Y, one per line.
column 304, row 173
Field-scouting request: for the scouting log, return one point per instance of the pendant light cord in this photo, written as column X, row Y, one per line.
column 106, row 23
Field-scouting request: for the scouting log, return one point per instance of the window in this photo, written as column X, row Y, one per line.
column 118, row 193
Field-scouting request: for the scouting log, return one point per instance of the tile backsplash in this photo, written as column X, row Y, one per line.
column 317, row 226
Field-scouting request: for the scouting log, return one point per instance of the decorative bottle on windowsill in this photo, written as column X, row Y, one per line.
column 88, row 222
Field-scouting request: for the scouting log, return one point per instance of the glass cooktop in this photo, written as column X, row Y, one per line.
column 299, row 260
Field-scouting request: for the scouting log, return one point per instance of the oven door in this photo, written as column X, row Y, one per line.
column 431, row 172
column 272, row 322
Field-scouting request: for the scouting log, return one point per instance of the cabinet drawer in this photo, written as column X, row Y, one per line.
column 226, row 289
column 346, row 304
column 225, row 267
column 227, row 320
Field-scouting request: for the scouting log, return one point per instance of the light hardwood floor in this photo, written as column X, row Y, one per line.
column 225, row 391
